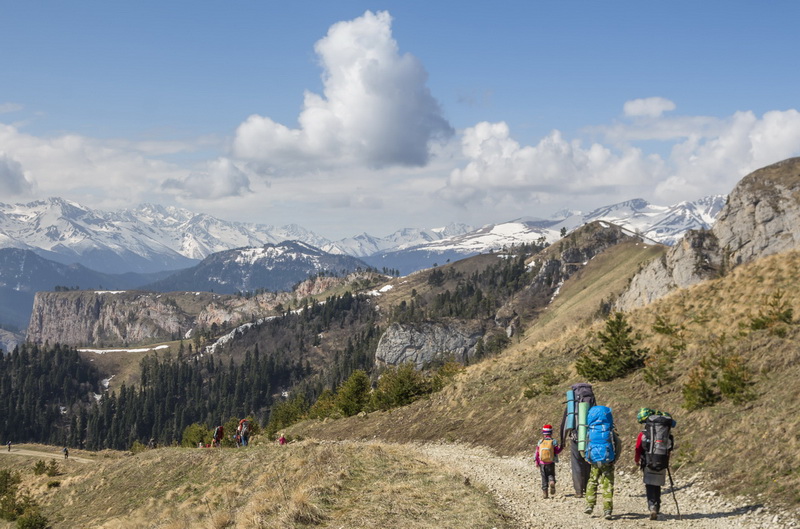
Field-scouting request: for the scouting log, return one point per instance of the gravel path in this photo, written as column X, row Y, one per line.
column 36, row 453
column 516, row 484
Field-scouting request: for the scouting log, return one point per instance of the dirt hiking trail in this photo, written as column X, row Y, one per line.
column 515, row 482
column 36, row 453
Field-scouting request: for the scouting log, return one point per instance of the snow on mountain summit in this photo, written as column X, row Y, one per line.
column 150, row 237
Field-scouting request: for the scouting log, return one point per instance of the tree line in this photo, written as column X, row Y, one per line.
column 47, row 393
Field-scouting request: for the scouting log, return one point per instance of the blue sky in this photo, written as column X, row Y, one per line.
column 355, row 116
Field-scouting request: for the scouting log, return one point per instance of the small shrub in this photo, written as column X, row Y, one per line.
column 699, row 392
column 39, row 468
column 736, row 380
column 445, row 374
column 137, row 447
column 775, row 317
column 399, row 386
column 32, row 519
column 325, row 406
column 658, row 367
column 542, row 383
column 52, row 469
column 193, row 434
column 353, row 395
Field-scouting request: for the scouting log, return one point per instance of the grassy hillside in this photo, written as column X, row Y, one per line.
column 748, row 447
column 297, row 485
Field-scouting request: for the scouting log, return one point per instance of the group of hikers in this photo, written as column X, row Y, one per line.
column 595, row 448
column 240, row 438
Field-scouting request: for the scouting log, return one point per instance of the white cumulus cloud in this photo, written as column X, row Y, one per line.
column 12, row 177
column 376, row 109
column 110, row 173
column 651, row 107
column 499, row 167
column 702, row 156
column 222, row 178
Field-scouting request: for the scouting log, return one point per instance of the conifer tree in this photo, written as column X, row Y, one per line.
column 617, row 354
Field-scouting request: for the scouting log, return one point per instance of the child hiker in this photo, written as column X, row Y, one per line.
column 547, row 450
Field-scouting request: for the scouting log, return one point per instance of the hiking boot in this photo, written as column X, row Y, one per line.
column 654, row 514
column 544, row 494
column 588, row 509
column 607, row 515
column 552, row 489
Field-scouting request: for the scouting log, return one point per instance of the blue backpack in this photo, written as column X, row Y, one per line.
column 600, row 438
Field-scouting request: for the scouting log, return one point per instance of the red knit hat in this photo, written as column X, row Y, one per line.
column 547, row 429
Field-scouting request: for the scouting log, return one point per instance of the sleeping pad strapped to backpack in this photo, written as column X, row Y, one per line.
column 600, row 439
column 581, row 392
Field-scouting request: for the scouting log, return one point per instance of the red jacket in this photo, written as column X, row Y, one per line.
column 639, row 450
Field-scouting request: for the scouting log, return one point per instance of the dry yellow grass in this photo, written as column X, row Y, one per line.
column 305, row 484
column 487, row 405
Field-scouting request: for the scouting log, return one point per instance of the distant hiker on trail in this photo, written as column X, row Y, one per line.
column 580, row 399
column 8, row 444
column 602, row 451
column 547, row 450
column 281, row 440
column 152, row 443
column 244, row 431
column 66, row 452
column 219, row 434
column 653, row 447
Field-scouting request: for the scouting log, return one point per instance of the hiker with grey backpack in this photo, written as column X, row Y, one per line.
column 653, row 447
column 580, row 398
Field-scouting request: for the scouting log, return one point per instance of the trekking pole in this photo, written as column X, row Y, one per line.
column 672, row 487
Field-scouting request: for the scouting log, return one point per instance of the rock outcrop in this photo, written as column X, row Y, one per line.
column 423, row 343
column 106, row 318
column 761, row 218
column 123, row 318
column 9, row 340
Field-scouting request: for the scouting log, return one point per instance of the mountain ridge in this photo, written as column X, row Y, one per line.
column 151, row 237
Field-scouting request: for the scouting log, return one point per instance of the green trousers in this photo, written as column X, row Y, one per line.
column 602, row 476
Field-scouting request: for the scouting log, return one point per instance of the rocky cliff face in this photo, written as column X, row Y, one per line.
column 761, row 218
column 9, row 340
column 423, row 343
column 106, row 318
column 122, row 318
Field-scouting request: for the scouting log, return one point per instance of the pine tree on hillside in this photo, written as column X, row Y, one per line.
column 617, row 354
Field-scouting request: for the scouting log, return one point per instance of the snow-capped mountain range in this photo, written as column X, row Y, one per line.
column 276, row 267
column 151, row 238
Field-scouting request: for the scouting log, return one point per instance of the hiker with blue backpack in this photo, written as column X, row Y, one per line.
column 546, row 457
column 602, row 450
column 653, row 447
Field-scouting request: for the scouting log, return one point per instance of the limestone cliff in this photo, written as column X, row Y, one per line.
column 423, row 343
column 761, row 218
column 123, row 318
column 106, row 318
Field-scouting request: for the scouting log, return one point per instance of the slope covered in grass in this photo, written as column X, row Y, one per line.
column 305, row 484
column 748, row 447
